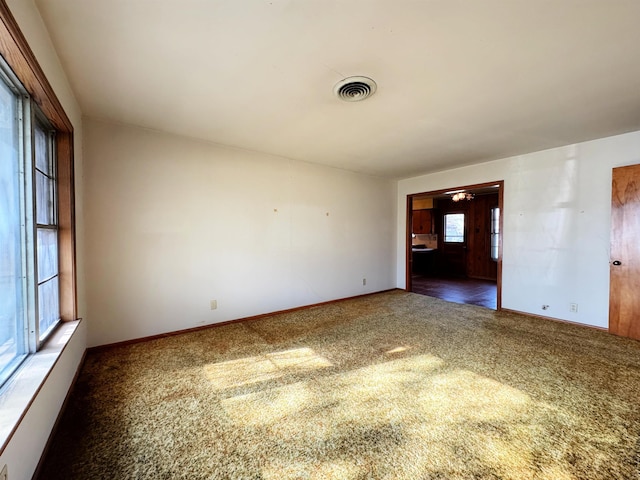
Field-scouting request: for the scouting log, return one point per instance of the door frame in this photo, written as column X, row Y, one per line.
column 409, row 219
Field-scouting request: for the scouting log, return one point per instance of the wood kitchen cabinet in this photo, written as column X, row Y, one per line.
column 422, row 221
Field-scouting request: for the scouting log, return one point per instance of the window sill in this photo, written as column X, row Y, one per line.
column 17, row 395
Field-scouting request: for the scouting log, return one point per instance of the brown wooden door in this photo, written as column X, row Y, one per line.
column 624, row 292
column 454, row 249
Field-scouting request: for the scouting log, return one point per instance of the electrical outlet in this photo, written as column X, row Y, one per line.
column 364, row 281
column 573, row 307
column 214, row 305
column 4, row 474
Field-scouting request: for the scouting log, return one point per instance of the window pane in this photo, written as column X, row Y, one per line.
column 48, row 305
column 454, row 227
column 44, row 200
column 47, row 253
column 42, row 151
column 12, row 344
column 495, row 233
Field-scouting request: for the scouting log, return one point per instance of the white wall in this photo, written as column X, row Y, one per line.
column 173, row 223
column 557, row 217
column 23, row 451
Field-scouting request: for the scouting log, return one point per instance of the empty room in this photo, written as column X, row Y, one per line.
column 319, row 239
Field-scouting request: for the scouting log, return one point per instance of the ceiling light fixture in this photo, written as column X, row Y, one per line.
column 462, row 196
column 355, row 89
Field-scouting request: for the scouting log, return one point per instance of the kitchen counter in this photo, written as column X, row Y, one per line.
column 423, row 260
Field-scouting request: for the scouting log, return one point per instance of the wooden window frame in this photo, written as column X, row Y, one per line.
column 18, row 55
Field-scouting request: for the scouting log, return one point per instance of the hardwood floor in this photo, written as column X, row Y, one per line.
column 458, row 290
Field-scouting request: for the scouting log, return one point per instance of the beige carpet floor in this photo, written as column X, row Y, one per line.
column 390, row 386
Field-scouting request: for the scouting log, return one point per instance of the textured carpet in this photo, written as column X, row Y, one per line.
column 394, row 386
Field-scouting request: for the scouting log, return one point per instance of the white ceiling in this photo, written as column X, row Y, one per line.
column 459, row 81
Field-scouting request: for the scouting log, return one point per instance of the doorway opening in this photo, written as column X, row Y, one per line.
column 454, row 244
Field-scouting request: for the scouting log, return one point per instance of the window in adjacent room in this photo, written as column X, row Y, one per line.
column 454, row 227
column 495, row 233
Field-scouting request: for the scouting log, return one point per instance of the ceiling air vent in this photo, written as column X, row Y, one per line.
column 354, row 89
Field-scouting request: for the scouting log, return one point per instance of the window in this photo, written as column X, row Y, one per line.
column 47, row 230
column 454, row 227
column 13, row 346
column 29, row 229
column 495, row 233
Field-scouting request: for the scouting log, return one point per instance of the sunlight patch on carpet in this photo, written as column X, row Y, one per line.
column 343, row 470
column 263, row 368
column 372, row 402
column 397, row 350
column 356, row 396
column 458, row 401
column 266, row 407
